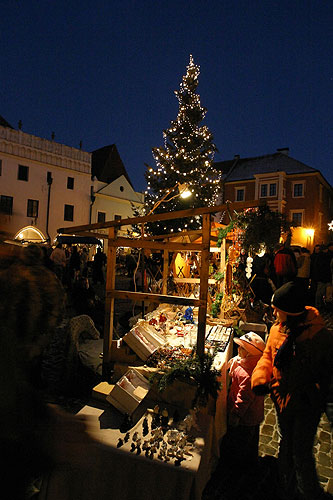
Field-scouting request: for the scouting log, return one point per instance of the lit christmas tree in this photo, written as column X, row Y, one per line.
column 186, row 159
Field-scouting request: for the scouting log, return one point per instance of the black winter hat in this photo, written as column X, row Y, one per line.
column 290, row 299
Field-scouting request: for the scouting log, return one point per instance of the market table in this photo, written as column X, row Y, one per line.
column 116, row 472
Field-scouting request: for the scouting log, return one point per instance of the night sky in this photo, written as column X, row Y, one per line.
column 105, row 72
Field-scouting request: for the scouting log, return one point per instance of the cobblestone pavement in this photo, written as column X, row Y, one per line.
column 323, row 447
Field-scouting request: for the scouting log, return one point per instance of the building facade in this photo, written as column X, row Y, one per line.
column 285, row 185
column 45, row 185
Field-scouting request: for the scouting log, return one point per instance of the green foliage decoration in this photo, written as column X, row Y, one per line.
column 218, row 276
column 216, row 305
column 260, row 226
column 199, row 370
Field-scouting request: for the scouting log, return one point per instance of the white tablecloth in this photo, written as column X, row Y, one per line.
column 104, row 472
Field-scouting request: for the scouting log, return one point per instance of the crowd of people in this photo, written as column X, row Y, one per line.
column 312, row 271
column 71, row 263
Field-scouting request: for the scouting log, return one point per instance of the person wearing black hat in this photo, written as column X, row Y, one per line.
column 296, row 368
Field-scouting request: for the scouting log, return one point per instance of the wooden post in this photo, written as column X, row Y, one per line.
column 204, row 272
column 165, row 272
column 109, row 304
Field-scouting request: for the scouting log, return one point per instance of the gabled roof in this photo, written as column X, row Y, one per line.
column 245, row 168
column 107, row 165
column 4, row 122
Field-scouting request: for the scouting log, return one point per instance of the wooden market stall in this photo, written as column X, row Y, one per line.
column 155, row 243
column 116, row 470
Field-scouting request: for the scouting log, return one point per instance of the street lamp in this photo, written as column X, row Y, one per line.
column 183, row 192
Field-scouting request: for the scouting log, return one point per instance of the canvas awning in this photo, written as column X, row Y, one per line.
column 78, row 240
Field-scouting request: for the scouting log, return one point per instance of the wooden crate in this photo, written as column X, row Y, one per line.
column 143, row 340
column 129, row 391
column 102, row 390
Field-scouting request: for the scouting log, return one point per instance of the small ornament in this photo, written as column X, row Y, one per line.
column 127, row 436
column 189, row 314
column 145, row 428
column 133, row 446
column 162, row 318
column 126, row 424
column 145, row 445
column 138, row 450
column 165, row 418
column 156, row 418
column 120, row 443
column 135, row 436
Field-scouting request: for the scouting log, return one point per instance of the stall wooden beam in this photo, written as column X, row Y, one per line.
column 165, row 271
column 155, row 245
column 204, row 273
column 154, row 297
column 109, row 303
column 190, row 212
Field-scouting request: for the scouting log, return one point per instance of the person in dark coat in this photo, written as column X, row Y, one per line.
column 74, row 264
column 98, row 263
column 322, row 271
column 285, row 265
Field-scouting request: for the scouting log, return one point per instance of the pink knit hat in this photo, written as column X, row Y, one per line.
column 251, row 342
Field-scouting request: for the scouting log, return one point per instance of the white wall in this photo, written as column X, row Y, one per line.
column 42, row 156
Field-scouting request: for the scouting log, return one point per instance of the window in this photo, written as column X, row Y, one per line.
column 23, row 173
column 267, row 190
column 298, row 190
column 263, row 190
column 32, row 208
column 117, row 217
column 101, row 216
column 240, row 194
column 297, row 218
column 69, row 212
column 70, row 182
column 272, row 189
column 6, row 205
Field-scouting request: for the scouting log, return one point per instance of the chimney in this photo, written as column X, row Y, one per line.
column 284, row 151
column 236, row 157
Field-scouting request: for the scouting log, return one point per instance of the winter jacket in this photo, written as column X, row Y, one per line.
column 242, row 402
column 304, row 383
column 285, row 263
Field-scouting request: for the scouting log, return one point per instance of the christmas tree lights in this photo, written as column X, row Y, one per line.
column 186, row 157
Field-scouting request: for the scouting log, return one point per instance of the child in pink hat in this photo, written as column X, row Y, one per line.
column 245, row 409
